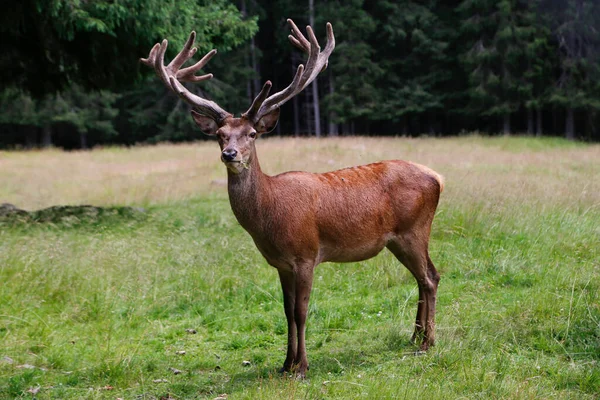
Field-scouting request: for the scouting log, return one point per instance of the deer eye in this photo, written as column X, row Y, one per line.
column 252, row 134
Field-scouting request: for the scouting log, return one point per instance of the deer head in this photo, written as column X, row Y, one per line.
column 236, row 136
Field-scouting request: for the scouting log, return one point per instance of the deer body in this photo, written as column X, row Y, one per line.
column 341, row 216
column 299, row 219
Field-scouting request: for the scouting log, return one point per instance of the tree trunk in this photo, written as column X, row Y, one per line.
column 255, row 67
column 247, row 56
column 591, row 118
column 333, row 128
column 538, row 126
column 30, row 136
column 47, row 135
column 253, row 60
column 431, row 124
column 296, row 115
column 315, row 87
column 83, row 140
column 308, row 113
column 570, row 124
column 529, row 121
column 506, row 124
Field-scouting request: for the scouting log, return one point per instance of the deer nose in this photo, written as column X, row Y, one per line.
column 229, row 154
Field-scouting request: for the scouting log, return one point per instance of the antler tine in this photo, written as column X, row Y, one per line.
column 185, row 54
column 330, row 45
column 172, row 75
column 315, row 64
column 313, row 55
column 297, row 38
column 259, row 99
column 188, row 74
column 281, row 97
column 151, row 57
column 159, row 62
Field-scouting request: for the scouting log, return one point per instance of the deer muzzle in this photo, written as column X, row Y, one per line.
column 229, row 155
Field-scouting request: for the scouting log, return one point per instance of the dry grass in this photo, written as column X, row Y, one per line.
column 477, row 169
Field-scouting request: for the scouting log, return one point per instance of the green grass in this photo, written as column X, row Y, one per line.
column 98, row 308
column 523, row 143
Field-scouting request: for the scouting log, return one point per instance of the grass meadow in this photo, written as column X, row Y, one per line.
column 100, row 308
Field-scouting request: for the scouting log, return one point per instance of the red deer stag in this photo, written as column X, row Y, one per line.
column 300, row 219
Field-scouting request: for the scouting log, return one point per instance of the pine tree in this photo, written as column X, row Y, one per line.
column 89, row 112
column 537, row 78
column 575, row 29
column 20, row 110
column 97, row 43
column 352, row 93
column 410, row 48
column 497, row 35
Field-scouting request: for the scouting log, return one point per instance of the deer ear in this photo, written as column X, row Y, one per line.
column 267, row 122
column 207, row 125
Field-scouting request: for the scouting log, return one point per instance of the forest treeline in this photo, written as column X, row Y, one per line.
column 71, row 76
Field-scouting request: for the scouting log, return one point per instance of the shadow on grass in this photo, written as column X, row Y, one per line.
column 325, row 364
column 69, row 215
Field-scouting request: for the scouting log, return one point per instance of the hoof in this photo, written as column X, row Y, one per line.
column 295, row 371
column 418, row 337
column 284, row 369
column 300, row 372
column 300, row 376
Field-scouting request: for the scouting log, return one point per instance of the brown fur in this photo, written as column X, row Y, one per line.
column 299, row 219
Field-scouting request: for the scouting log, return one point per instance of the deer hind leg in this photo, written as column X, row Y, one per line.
column 412, row 252
column 420, row 321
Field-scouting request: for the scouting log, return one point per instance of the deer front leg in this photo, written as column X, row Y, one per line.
column 288, row 285
column 304, row 280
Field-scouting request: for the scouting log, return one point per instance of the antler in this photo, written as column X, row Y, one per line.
column 317, row 62
column 172, row 75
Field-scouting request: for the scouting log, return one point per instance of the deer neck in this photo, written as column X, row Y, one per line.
column 248, row 193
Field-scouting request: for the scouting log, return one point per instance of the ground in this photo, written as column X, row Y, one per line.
column 102, row 305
